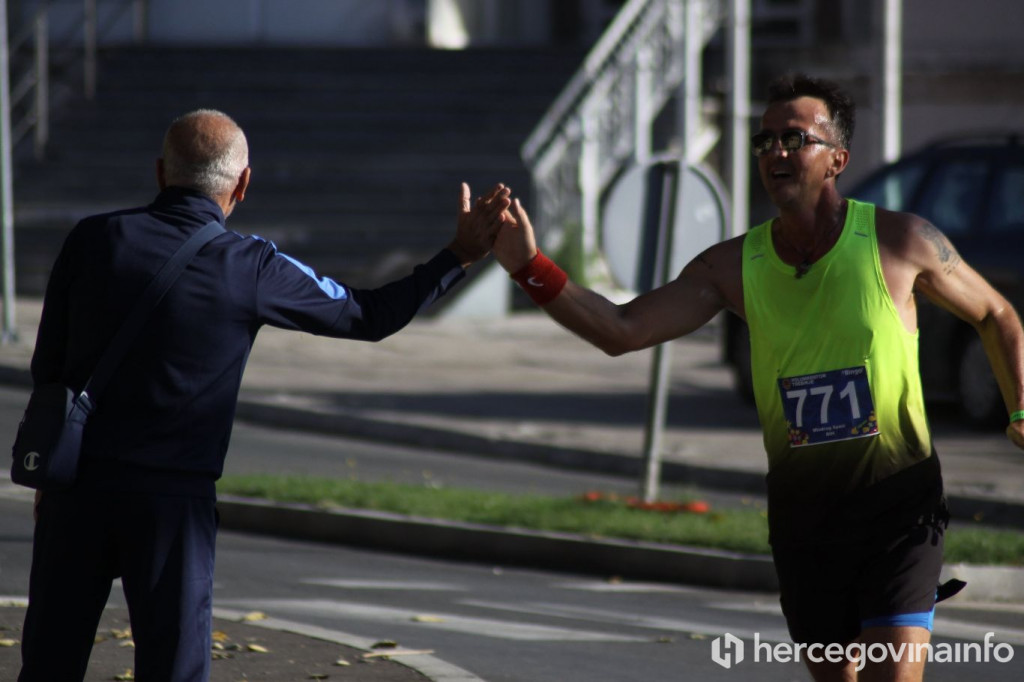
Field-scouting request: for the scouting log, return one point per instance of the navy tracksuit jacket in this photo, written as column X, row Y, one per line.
column 170, row 405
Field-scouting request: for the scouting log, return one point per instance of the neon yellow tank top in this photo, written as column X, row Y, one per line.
column 836, row 377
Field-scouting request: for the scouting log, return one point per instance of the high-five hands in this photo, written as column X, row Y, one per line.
column 516, row 244
column 478, row 223
column 495, row 222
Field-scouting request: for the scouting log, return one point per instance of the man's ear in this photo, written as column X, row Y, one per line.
column 238, row 194
column 840, row 159
column 161, row 179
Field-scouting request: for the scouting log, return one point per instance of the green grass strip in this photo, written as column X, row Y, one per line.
column 736, row 529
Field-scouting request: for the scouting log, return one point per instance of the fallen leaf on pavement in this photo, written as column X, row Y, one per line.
column 398, row 652
column 427, row 619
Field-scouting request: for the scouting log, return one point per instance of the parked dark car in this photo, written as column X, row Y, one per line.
column 972, row 188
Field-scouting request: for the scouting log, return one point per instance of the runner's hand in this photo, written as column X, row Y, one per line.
column 516, row 244
column 478, row 224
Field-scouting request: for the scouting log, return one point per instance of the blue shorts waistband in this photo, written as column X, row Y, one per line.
column 925, row 619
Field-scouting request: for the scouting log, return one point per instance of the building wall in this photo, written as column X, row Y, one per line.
column 960, row 34
column 331, row 23
column 963, row 62
column 263, row 22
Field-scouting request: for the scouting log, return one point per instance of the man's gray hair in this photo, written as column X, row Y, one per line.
column 204, row 150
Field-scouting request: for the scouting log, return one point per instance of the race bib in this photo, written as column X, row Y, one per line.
column 828, row 406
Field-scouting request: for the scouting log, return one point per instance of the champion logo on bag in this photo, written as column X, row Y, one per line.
column 31, row 461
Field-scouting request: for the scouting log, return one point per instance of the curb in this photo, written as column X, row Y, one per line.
column 479, row 542
column 558, row 551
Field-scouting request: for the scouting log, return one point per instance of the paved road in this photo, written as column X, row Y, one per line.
column 506, row 624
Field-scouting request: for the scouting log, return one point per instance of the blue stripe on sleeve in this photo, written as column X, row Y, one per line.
column 334, row 290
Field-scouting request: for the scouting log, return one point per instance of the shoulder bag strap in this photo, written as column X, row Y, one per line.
column 147, row 302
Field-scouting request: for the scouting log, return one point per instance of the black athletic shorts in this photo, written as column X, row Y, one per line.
column 832, row 590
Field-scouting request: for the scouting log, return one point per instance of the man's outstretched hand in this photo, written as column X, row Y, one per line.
column 516, row 244
column 478, row 223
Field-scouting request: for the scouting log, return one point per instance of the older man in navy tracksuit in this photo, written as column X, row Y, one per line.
column 142, row 508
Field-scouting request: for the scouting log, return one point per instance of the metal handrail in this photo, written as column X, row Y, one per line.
column 34, row 80
column 601, row 121
column 596, row 61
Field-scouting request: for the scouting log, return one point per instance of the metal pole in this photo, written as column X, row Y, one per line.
column 694, row 47
column 892, row 79
column 10, row 334
column 140, row 21
column 657, row 397
column 42, row 103
column 739, row 105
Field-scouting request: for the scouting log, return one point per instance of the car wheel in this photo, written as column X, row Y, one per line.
column 977, row 391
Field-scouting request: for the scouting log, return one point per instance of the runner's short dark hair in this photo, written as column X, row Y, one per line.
column 841, row 108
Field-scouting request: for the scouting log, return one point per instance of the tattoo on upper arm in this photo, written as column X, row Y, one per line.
column 704, row 261
column 948, row 256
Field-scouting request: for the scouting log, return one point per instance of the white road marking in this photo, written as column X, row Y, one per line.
column 975, row 632
column 604, row 586
column 631, row 620
column 485, row 627
column 433, row 668
column 771, row 607
column 419, row 586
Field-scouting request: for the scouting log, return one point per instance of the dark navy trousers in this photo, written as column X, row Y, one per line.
column 162, row 548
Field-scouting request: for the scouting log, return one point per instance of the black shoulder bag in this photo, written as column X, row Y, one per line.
column 49, row 440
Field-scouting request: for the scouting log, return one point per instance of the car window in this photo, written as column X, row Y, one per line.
column 953, row 194
column 1008, row 201
column 894, row 189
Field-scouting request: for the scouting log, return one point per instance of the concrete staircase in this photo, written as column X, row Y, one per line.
column 356, row 154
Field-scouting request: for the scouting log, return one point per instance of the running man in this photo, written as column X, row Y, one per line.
column 855, row 503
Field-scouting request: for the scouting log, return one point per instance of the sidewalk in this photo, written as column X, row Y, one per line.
column 247, row 647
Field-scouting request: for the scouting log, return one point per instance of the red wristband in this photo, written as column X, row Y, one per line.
column 541, row 279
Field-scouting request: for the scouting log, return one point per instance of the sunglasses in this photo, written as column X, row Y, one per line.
column 791, row 141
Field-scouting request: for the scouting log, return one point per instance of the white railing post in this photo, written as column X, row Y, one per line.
column 738, row 54
column 693, row 48
column 892, row 96
column 590, row 183
column 41, row 135
column 10, row 332
column 642, row 118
